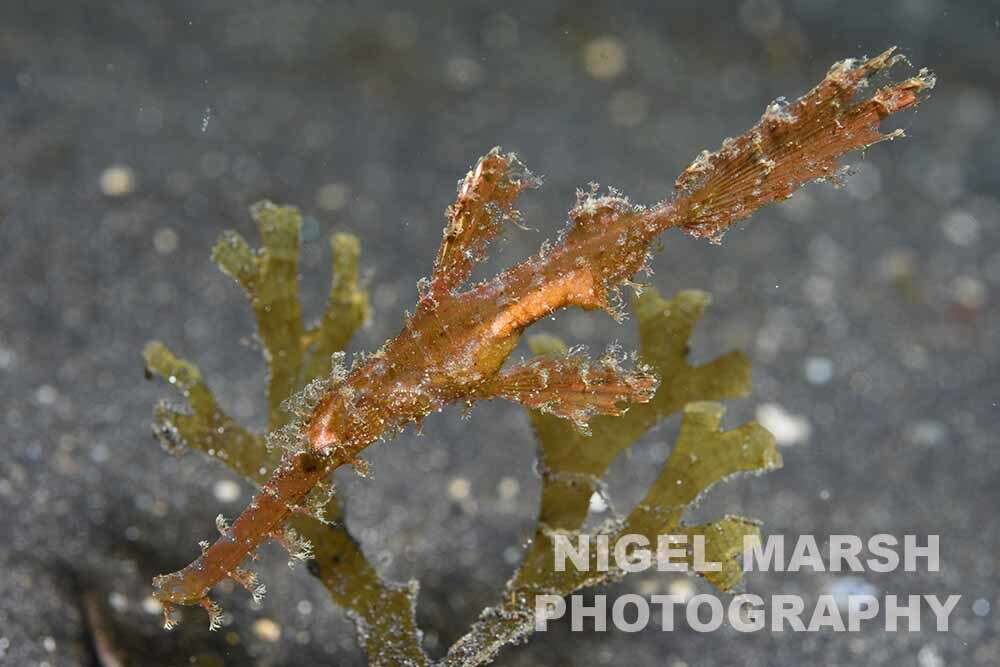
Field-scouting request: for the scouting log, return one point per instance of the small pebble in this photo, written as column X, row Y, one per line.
column 152, row 606
column 969, row 292
column 118, row 601
column 333, row 196
column 117, row 181
column 928, row 656
column 683, row 588
column 459, row 488
column 226, row 491
column 267, row 630
column 463, row 72
column 508, row 488
column 604, row 58
column 787, row 429
column 598, row 503
column 960, row 228
column 818, row 370
column 165, row 241
column 46, row 394
column 981, row 607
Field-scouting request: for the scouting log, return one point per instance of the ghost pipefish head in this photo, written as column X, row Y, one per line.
column 175, row 588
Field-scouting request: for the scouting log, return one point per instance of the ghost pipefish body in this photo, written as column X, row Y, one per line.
column 454, row 347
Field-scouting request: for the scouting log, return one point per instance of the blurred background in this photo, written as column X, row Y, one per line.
column 132, row 133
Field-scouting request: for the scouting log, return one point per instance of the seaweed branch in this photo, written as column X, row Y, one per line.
column 383, row 611
column 573, row 466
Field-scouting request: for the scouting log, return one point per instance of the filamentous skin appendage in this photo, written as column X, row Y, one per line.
column 454, row 347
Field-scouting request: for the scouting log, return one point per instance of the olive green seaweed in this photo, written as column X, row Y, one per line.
column 573, row 465
column 383, row 611
column 572, row 462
